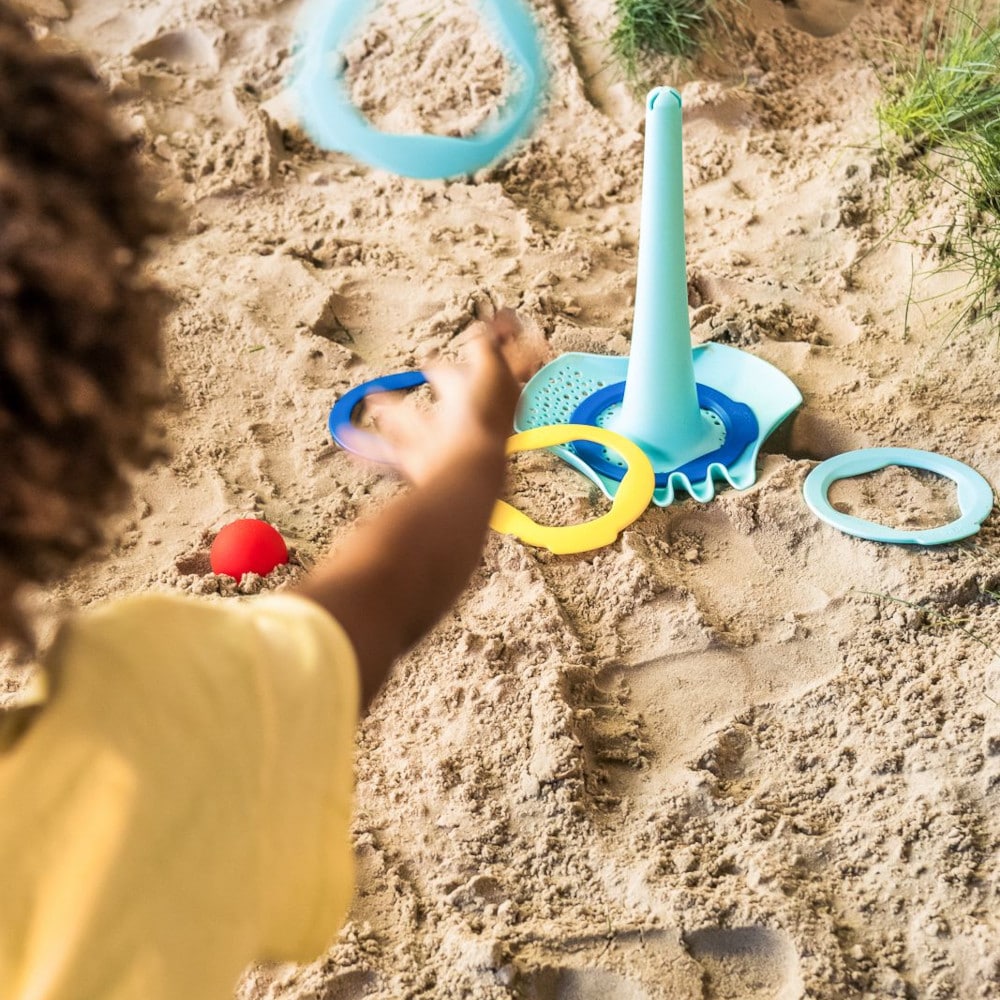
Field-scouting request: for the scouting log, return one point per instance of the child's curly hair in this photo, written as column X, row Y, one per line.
column 80, row 360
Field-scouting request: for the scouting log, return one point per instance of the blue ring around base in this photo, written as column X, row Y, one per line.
column 342, row 415
column 739, row 421
column 975, row 496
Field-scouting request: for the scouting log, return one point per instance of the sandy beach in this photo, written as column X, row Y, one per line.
column 737, row 754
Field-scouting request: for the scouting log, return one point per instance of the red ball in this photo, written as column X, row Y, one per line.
column 247, row 546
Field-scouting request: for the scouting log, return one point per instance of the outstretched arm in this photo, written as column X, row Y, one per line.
column 396, row 574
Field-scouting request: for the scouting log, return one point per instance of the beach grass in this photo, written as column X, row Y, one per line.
column 948, row 102
column 656, row 27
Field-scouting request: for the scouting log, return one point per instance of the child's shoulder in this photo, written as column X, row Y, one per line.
column 183, row 647
column 163, row 630
column 171, row 617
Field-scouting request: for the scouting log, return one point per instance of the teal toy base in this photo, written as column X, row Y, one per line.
column 553, row 394
column 975, row 496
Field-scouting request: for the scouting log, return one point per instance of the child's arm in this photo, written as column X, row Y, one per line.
column 394, row 576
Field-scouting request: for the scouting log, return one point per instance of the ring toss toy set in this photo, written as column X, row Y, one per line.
column 665, row 420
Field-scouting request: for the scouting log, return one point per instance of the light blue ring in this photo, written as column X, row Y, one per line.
column 975, row 496
column 334, row 123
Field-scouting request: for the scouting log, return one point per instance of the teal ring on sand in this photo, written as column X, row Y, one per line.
column 331, row 119
column 975, row 496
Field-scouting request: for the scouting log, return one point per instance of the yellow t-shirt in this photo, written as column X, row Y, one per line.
column 180, row 806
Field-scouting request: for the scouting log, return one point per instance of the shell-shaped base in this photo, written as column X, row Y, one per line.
column 553, row 394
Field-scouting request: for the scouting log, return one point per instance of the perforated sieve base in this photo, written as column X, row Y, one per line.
column 555, row 392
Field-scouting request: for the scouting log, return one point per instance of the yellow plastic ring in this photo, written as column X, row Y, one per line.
column 631, row 499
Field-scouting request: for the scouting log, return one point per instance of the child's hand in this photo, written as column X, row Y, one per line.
column 394, row 576
column 475, row 402
column 525, row 351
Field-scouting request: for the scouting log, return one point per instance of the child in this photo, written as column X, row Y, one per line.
column 176, row 804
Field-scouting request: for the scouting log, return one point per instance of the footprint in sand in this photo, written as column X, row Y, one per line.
column 745, row 963
column 578, row 984
column 634, row 965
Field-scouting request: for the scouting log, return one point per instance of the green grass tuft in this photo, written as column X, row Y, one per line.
column 955, row 88
column 950, row 102
column 656, row 27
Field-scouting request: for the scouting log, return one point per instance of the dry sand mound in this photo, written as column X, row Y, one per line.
column 706, row 761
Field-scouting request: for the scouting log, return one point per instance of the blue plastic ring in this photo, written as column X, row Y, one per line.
column 334, row 123
column 738, row 420
column 975, row 496
column 342, row 415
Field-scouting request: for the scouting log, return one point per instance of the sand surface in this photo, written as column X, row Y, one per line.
column 737, row 754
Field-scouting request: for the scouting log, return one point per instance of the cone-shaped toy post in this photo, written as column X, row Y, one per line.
column 660, row 409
